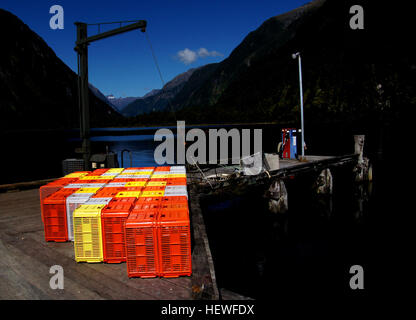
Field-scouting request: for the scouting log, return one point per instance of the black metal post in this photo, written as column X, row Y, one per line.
column 84, row 88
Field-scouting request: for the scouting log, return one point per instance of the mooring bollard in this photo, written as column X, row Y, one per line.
column 324, row 182
column 277, row 195
column 363, row 170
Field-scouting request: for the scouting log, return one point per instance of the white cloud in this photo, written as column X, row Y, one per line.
column 202, row 52
column 188, row 56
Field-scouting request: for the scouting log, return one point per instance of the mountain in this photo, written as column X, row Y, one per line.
column 341, row 69
column 37, row 89
column 158, row 100
column 120, row 103
column 102, row 97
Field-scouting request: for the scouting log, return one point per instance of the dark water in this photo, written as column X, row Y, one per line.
column 309, row 249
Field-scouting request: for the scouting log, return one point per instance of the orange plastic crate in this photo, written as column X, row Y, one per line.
column 148, row 205
column 108, row 192
column 54, row 215
column 52, row 187
column 176, row 182
column 123, row 180
column 141, row 244
column 99, row 172
column 132, row 189
column 166, row 168
column 170, row 205
column 174, row 243
column 175, row 199
column 113, row 218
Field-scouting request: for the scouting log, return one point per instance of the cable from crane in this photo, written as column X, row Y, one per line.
column 160, row 73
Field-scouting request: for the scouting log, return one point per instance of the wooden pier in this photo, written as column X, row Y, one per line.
column 26, row 258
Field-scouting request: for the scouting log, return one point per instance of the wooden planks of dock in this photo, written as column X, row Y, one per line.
column 26, row 260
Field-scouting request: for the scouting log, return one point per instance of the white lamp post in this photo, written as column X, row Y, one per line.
column 294, row 56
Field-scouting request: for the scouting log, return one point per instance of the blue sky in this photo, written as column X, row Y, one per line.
column 184, row 34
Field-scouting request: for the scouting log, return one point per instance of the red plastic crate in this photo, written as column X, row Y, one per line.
column 174, row 243
column 174, row 206
column 124, row 180
column 166, row 168
column 149, row 205
column 108, row 192
column 176, row 182
column 132, row 189
column 159, row 179
column 54, row 215
column 157, row 200
column 98, row 172
column 175, row 199
column 113, row 218
column 50, row 188
column 141, row 244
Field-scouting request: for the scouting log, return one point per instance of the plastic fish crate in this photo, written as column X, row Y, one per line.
column 128, row 194
column 98, row 201
column 113, row 218
column 175, row 199
column 157, row 200
column 154, row 188
column 165, row 168
column 176, row 182
column 73, row 202
column 87, row 233
column 107, row 193
column 155, row 193
column 141, row 244
column 54, row 215
column 136, row 184
column 99, row 171
column 174, row 243
column 116, row 170
column 153, row 183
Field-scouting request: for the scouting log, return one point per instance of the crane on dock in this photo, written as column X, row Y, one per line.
column 81, row 47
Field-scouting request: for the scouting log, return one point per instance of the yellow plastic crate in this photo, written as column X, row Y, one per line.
column 176, row 175
column 156, row 183
column 128, row 194
column 158, row 193
column 142, row 173
column 87, row 190
column 115, row 170
column 87, row 233
column 135, row 184
column 76, row 175
column 106, row 177
column 89, row 178
column 157, row 176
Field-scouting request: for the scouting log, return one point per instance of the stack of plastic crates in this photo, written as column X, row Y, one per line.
column 87, row 233
column 141, row 244
column 113, row 218
column 134, row 215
